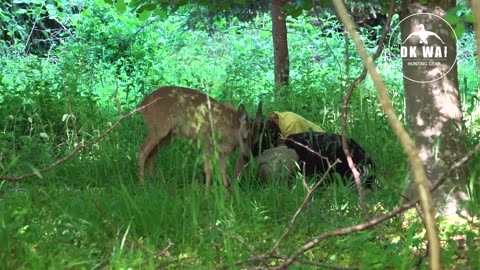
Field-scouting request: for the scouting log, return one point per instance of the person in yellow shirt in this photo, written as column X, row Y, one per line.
column 292, row 123
column 274, row 158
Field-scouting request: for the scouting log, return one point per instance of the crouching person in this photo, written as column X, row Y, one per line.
column 278, row 126
column 292, row 123
column 274, row 159
column 317, row 151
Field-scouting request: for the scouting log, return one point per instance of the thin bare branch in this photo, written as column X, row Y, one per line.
column 294, row 258
column 301, row 208
column 379, row 219
column 304, row 178
column 346, row 100
column 255, row 259
column 238, row 239
column 115, row 97
column 311, row 151
column 77, row 149
column 112, row 227
column 165, row 250
column 70, row 111
column 408, row 145
column 312, row 263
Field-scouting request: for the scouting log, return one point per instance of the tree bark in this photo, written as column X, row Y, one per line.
column 433, row 105
column 418, row 170
column 280, row 45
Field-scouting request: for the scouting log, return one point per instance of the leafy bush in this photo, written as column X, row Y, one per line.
column 90, row 212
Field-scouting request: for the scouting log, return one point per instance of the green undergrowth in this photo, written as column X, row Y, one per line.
column 90, row 212
column 116, row 223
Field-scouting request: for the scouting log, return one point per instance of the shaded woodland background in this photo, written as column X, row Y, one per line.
column 67, row 67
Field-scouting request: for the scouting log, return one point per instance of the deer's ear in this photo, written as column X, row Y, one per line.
column 242, row 113
column 259, row 111
column 259, row 116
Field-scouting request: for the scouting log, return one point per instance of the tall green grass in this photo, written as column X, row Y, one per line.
column 91, row 213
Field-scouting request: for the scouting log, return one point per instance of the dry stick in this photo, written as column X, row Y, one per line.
column 78, row 148
column 283, row 257
column 112, row 227
column 31, row 33
column 311, row 150
column 356, row 174
column 347, row 55
column 456, row 165
column 344, row 231
column 302, row 206
column 346, row 100
column 271, row 253
column 115, row 230
column 218, row 256
column 119, row 107
column 70, row 111
column 408, row 145
column 261, row 258
column 304, row 178
column 379, row 219
column 165, row 250
column 238, row 239
column 308, row 262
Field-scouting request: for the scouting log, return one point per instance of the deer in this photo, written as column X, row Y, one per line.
column 178, row 111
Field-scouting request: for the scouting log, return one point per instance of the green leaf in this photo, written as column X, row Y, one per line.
column 452, row 19
column 38, row 11
column 144, row 15
column 6, row 18
column 295, row 12
column 21, row 11
column 147, row 7
column 121, row 7
column 309, row 27
column 52, row 11
column 459, row 29
column 470, row 18
column 135, row 3
column 306, row 4
column 161, row 13
column 323, row 3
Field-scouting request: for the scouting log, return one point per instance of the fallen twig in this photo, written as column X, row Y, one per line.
column 77, row 149
column 346, row 100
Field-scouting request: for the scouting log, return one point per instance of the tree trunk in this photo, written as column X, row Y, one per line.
column 280, row 45
column 432, row 100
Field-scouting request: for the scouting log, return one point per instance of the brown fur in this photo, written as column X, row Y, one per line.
column 178, row 111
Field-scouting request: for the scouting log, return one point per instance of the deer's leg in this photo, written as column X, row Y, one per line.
column 208, row 170
column 153, row 154
column 149, row 151
column 151, row 158
column 241, row 162
column 223, row 171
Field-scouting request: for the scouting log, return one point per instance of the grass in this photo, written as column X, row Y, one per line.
column 91, row 212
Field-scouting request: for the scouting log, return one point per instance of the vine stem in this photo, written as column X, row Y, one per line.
column 418, row 170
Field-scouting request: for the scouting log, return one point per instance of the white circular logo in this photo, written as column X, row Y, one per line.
column 421, row 41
